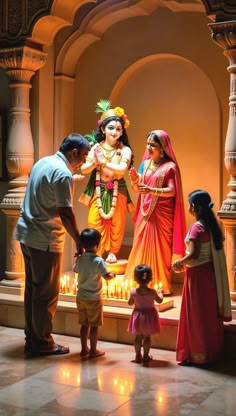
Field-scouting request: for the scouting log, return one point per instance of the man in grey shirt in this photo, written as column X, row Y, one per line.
column 46, row 215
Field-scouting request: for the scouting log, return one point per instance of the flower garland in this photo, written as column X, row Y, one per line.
column 119, row 112
column 110, row 185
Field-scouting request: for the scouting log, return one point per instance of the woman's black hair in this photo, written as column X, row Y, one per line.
column 201, row 201
column 74, row 141
column 89, row 238
column 143, row 274
column 123, row 138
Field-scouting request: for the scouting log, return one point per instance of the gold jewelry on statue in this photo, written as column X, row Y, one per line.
column 108, row 153
column 104, row 107
column 153, row 199
column 156, row 194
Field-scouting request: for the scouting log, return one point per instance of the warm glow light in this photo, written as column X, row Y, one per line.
column 117, row 288
column 122, row 389
column 122, row 386
column 65, row 373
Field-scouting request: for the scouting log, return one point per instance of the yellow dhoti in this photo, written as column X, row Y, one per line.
column 112, row 230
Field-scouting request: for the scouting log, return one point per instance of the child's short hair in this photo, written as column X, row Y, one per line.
column 143, row 273
column 89, row 238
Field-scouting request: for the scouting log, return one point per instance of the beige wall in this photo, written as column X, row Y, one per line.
column 166, row 72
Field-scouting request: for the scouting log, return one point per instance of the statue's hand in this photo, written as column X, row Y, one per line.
column 78, row 177
column 99, row 155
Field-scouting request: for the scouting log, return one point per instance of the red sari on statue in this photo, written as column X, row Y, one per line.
column 205, row 302
column 159, row 234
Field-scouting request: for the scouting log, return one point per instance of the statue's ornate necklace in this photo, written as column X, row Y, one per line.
column 110, row 152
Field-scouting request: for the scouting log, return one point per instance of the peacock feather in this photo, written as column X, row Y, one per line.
column 102, row 106
column 91, row 137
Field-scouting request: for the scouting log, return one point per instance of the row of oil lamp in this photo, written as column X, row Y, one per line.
column 117, row 288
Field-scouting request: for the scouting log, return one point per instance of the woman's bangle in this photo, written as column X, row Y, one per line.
column 158, row 191
column 135, row 183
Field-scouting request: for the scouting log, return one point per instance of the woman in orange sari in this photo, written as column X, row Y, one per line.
column 106, row 193
column 159, row 219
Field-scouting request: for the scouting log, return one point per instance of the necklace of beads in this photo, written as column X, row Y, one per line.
column 110, row 153
column 154, row 198
column 153, row 166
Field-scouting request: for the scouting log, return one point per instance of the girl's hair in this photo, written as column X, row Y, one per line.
column 123, row 138
column 203, row 209
column 90, row 238
column 142, row 274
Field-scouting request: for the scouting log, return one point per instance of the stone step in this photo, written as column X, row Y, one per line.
column 115, row 324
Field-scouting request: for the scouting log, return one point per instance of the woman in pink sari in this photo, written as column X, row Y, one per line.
column 206, row 300
column 159, row 218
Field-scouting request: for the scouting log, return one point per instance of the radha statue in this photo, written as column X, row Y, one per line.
column 159, row 229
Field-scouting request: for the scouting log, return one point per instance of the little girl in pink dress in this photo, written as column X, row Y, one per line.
column 144, row 320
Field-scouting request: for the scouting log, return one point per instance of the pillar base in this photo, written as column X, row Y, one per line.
column 12, row 287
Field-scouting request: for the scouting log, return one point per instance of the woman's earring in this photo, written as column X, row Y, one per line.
column 162, row 153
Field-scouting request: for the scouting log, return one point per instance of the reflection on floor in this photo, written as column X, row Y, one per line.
column 110, row 385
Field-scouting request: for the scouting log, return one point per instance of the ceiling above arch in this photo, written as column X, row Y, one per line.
column 95, row 20
column 38, row 21
column 96, row 23
column 220, row 10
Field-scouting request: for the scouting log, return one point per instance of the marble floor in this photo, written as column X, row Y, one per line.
column 110, row 385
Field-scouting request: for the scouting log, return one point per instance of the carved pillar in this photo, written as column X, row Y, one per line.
column 224, row 34
column 20, row 64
